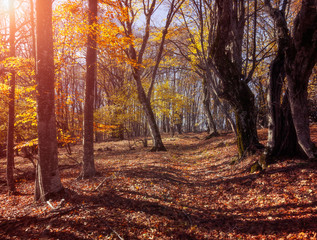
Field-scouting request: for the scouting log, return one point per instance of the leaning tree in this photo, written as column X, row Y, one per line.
column 226, row 60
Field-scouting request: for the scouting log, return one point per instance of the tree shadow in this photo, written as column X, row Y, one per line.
column 109, row 211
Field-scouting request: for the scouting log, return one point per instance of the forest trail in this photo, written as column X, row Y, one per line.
column 193, row 191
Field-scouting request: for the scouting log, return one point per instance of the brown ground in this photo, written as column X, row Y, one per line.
column 189, row 192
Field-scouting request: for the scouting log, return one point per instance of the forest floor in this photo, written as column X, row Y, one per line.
column 192, row 191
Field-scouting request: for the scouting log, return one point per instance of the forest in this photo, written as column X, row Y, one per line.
column 158, row 119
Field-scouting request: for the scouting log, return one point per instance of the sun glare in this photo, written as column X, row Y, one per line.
column 20, row 8
column 4, row 5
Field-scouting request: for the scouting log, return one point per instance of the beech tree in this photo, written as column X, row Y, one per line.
column 10, row 136
column 88, row 169
column 47, row 182
column 212, row 129
column 226, row 61
column 295, row 59
column 199, row 22
column 137, row 57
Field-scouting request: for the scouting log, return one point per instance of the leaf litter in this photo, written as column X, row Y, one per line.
column 193, row 191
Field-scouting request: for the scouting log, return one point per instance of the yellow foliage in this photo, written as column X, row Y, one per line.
column 30, row 143
column 168, row 102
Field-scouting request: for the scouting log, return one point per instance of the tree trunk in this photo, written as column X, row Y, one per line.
column 47, row 182
column 301, row 57
column 227, row 62
column 154, row 130
column 33, row 29
column 282, row 139
column 163, row 123
column 206, row 103
column 145, row 144
column 224, row 109
column 246, row 121
column 240, row 97
column 11, row 118
column 88, row 168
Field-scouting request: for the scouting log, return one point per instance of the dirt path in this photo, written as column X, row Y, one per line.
column 190, row 192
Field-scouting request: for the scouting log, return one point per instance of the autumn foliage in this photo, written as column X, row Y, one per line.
column 217, row 85
column 191, row 192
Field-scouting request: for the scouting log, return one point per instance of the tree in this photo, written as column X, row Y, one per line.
column 137, row 56
column 88, row 169
column 70, row 21
column 212, row 129
column 199, row 21
column 226, row 61
column 295, row 60
column 47, row 182
column 282, row 139
column 301, row 57
column 10, row 136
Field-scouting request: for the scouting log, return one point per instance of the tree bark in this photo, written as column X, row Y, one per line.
column 144, row 99
column 282, row 139
column 301, row 56
column 246, row 120
column 154, row 130
column 11, row 118
column 47, row 182
column 145, row 143
column 206, row 102
column 226, row 60
column 88, row 168
column 298, row 55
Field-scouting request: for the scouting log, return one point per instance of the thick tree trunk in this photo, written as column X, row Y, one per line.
column 300, row 53
column 299, row 109
column 246, row 121
column 47, row 182
column 227, row 61
column 240, row 97
column 301, row 56
column 88, row 168
column 282, row 139
column 11, row 118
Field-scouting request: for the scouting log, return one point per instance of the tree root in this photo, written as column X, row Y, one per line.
column 158, row 149
column 211, row 135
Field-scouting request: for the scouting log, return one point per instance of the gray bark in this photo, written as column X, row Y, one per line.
column 145, row 99
column 298, row 55
column 154, row 130
column 301, row 56
column 47, row 182
column 206, row 102
column 282, row 139
column 11, row 117
column 88, row 167
column 226, row 60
